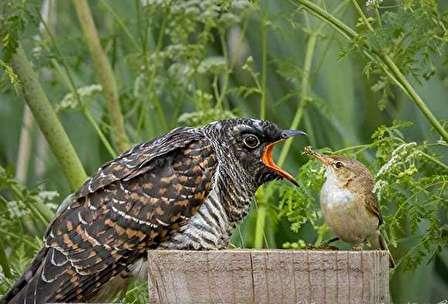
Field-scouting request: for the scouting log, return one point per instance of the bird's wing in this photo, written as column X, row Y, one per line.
column 118, row 215
column 370, row 200
column 134, row 162
column 373, row 206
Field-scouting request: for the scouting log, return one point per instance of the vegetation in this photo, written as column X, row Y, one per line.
column 364, row 78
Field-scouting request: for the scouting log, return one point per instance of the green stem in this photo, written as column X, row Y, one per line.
column 104, row 72
column 21, row 238
column 261, row 211
column 68, row 79
column 48, row 122
column 4, row 264
column 361, row 13
column 382, row 59
column 120, row 23
column 225, row 81
column 151, row 87
column 435, row 160
column 263, row 68
column 259, row 226
column 415, row 97
column 100, row 133
column 304, row 95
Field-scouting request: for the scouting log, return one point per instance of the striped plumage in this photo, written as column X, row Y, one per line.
column 184, row 190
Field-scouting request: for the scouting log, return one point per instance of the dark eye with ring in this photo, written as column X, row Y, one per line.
column 338, row 164
column 251, row 141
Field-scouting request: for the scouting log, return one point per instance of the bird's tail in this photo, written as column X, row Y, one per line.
column 379, row 242
column 24, row 280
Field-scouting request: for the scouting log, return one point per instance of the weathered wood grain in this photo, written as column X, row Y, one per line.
column 268, row 276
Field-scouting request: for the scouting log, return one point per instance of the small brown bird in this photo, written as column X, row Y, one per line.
column 348, row 203
column 187, row 189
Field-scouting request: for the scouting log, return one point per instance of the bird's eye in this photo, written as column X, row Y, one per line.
column 251, row 141
column 338, row 164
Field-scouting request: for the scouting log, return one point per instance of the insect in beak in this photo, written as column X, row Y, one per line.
column 325, row 160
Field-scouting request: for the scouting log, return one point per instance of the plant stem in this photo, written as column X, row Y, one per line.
column 364, row 17
column 120, row 23
column 261, row 219
column 225, row 80
column 382, row 59
column 104, row 72
column 261, row 210
column 100, row 133
column 47, row 120
column 263, row 68
column 70, row 82
column 259, row 228
column 25, row 142
column 304, row 94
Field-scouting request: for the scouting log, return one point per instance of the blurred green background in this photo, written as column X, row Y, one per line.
column 191, row 62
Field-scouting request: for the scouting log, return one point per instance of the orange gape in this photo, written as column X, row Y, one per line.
column 267, row 160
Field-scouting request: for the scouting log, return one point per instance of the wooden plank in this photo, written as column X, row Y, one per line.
column 331, row 283
column 342, row 276
column 268, row 276
column 355, row 277
column 301, row 277
column 218, row 265
column 260, row 280
column 317, row 277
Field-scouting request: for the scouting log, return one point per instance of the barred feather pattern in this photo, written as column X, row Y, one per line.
column 132, row 204
column 183, row 190
column 225, row 206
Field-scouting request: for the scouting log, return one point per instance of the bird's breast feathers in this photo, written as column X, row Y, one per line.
column 333, row 196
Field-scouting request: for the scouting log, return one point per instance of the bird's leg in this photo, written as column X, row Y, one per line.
column 358, row 247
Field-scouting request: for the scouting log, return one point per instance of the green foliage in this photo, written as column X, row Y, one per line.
column 191, row 62
column 411, row 186
column 14, row 16
column 414, row 35
column 24, row 215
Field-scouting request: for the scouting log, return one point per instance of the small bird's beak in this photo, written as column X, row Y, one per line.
column 267, row 160
column 325, row 160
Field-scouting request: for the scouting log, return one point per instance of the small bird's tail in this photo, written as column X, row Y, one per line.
column 379, row 242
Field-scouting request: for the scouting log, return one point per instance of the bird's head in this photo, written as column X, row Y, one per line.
column 251, row 142
column 340, row 169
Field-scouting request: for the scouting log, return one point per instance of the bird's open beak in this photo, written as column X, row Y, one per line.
column 325, row 160
column 267, row 160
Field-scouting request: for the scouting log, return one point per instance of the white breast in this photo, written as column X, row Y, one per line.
column 332, row 196
column 345, row 213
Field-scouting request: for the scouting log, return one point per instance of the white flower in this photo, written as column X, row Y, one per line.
column 373, row 3
column 397, row 155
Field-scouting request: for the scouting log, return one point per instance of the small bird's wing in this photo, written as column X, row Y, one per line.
column 370, row 199
column 373, row 207
column 132, row 204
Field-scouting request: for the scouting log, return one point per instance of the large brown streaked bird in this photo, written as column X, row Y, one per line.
column 184, row 190
column 347, row 201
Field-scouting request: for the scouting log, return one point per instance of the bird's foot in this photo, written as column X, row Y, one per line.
column 358, row 247
column 326, row 246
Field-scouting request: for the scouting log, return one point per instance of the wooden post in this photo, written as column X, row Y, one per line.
column 268, row 276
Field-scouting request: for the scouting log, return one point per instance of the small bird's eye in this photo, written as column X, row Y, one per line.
column 251, row 141
column 338, row 164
